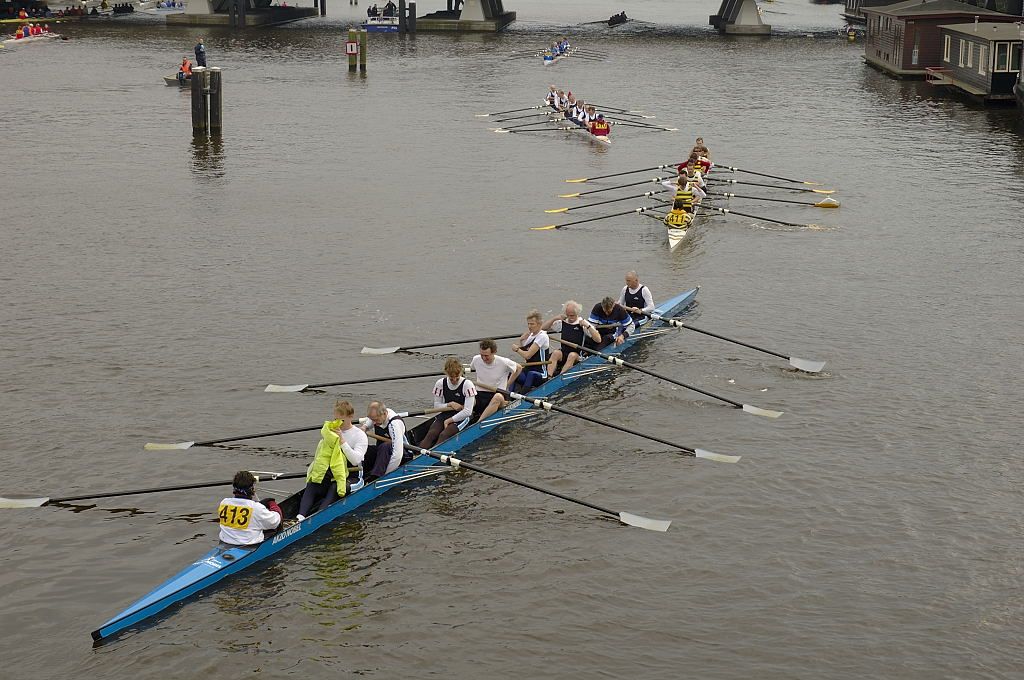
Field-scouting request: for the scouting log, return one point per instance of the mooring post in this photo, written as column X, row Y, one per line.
column 216, row 119
column 403, row 27
column 323, row 8
column 362, row 50
column 200, row 109
column 352, row 39
column 411, row 22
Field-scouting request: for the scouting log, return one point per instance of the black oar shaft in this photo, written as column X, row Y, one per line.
column 604, row 217
column 211, row 442
column 623, row 186
column 759, row 198
column 633, row 172
column 764, row 174
column 389, row 378
column 458, row 342
column 730, row 211
column 641, row 369
column 680, row 324
column 712, row 178
column 160, row 489
column 646, row 194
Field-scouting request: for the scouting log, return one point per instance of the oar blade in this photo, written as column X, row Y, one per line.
column 827, row 203
column 23, row 502
column 568, row 195
column 824, row 191
column 285, row 388
column 721, row 458
column 806, row 364
column 765, row 412
column 644, row 522
column 150, row 446
column 557, row 210
column 546, row 228
column 379, row 350
column 577, row 180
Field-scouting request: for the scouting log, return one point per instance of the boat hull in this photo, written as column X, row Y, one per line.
column 223, row 561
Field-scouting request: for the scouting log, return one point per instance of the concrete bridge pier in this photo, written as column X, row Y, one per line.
column 740, row 17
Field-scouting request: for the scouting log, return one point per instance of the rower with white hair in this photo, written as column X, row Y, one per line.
column 572, row 328
column 383, row 457
column 636, row 298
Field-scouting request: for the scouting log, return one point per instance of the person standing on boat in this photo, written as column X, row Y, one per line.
column 384, row 457
column 636, row 298
column 572, row 328
column 200, row 53
column 341, row 444
column 494, row 370
column 457, row 394
column 533, row 345
column 243, row 519
column 616, row 323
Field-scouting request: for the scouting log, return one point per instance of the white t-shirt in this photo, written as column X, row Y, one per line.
column 242, row 521
column 396, row 432
column 540, row 339
column 354, row 443
column 496, row 373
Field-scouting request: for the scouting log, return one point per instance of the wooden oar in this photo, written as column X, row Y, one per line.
column 38, row 502
column 730, row 211
column 619, row 174
column 180, row 446
column 407, row 348
column 458, row 464
column 808, row 365
column 712, row 178
column 501, row 113
column 763, row 174
column 656, row 180
column 301, row 388
column 827, row 202
column 593, row 219
column 616, row 361
column 646, row 194
column 549, row 406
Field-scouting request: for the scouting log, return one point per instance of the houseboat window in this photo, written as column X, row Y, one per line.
column 982, row 59
column 1015, row 57
column 963, row 49
column 945, row 48
column 917, row 46
column 970, row 54
column 1002, row 57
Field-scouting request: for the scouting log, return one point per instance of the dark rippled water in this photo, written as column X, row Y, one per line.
column 152, row 286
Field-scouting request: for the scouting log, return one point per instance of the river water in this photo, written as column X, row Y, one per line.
column 153, row 285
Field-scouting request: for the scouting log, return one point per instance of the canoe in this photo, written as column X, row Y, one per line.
column 224, row 560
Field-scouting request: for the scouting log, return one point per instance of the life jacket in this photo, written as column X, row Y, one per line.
column 19, row 35
column 186, row 67
column 600, row 128
column 680, row 219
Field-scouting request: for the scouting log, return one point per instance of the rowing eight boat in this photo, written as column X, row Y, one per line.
column 570, row 125
column 225, row 560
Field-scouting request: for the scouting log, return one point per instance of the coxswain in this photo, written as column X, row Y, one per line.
column 456, row 393
column 614, row 322
column 495, row 371
column 533, row 346
column 243, row 519
column 599, row 127
column 46, row 29
column 548, row 55
column 383, row 457
column 573, row 328
column 636, row 298
column 19, row 34
column 679, row 217
column 341, row 445
column 700, row 149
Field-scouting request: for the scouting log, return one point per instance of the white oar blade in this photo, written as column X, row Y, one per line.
column 807, row 364
column 285, row 388
column 767, row 413
column 22, row 502
column 379, row 350
column 168, row 447
column 721, row 458
column 644, row 522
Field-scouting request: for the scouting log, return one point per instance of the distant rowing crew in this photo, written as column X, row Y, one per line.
column 690, row 187
column 579, row 112
column 558, row 49
column 345, row 461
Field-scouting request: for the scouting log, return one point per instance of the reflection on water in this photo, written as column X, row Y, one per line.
column 208, row 157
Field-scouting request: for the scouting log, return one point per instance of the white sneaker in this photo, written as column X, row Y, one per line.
column 300, row 517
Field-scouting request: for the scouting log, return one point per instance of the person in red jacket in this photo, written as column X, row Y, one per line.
column 599, row 127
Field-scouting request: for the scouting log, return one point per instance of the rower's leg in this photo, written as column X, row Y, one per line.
column 497, row 401
column 447, row 433
column 431, row 437
column 570, row 361
column 556, row 358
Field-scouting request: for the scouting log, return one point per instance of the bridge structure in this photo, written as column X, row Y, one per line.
column 734, row 17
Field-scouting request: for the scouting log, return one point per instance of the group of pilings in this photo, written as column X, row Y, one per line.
column 207, row 117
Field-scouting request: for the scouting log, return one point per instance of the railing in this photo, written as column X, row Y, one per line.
column 936, row 75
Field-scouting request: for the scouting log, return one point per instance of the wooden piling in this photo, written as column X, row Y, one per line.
column 200, row 109
column 362, row 50
column 352, row 38
column 403, row 27
column 216, row 119
column 323, row 8
column 411, row 21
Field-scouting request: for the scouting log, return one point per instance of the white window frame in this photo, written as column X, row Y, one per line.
column 963, row 48
column 1004, row 48
column 946, row 43
column 970, row 55
column 1015, row 55
column 982, row 59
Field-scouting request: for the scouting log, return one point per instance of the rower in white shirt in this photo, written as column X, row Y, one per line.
column 492, row 370
column 383, row 457
column 636, row 299
column 459, row 395
column 533, row 346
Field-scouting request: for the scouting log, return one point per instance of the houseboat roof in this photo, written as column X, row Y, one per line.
column 989, row 30
column 927, row 7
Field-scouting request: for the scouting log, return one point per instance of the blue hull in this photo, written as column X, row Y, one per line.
column 223, row 561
